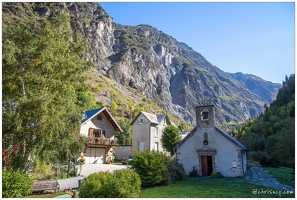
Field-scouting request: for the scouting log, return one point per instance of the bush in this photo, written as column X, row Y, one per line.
column 151, row 166
column 258, row 155
column 175, row 172
column 127, row 183
column 122, row 183
column 42, row 170
column 217, row 175
column 15, row 184
column 193, row 173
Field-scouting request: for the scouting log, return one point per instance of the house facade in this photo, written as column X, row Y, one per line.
column 147, row 130
column 100, row 126
column 208, row 149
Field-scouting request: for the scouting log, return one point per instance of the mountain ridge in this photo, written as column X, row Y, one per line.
column 165, row 71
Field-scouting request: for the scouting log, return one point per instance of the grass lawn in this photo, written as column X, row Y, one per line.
column 201, row 189
column 283, row 176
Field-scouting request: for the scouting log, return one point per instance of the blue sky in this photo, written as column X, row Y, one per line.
column 254, row 38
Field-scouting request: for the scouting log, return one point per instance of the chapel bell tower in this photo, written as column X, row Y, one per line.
column 205, row 116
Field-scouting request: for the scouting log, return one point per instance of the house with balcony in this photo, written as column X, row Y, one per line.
column 100, row 126
column 147, row 130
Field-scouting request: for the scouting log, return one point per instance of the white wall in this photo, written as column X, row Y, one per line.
column 123, row 151
column 102, row 124
column 140, row 133
column 226, row 153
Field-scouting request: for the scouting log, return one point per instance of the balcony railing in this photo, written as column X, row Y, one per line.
column 106, row 141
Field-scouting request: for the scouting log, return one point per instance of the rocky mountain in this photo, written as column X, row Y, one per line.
column 162, row 69
column 262, row 88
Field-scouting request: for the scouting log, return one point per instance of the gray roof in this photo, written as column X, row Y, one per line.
column 232, row 139
column 160, row 118
column 225, row 134
column 154, row 119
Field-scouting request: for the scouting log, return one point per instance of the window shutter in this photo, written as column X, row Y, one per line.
column 91, row 132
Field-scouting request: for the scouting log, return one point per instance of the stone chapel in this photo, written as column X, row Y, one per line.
column 208, row 149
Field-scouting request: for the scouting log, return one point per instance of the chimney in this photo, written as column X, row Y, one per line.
column 205, row 116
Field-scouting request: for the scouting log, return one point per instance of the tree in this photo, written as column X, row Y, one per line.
column 171, row 137
column 41, row 74
column 185, row 127
column 125, row 137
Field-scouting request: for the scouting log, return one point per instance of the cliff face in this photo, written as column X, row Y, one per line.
column 178, row 78
column 164, row 70
column 96, row 27
column 262, row 88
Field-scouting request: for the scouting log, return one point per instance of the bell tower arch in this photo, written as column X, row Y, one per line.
column 205, row 116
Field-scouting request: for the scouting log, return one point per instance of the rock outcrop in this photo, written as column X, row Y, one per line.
column 166, row 71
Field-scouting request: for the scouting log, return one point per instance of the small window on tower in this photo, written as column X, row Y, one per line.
column 204, row 115
column 141, row 121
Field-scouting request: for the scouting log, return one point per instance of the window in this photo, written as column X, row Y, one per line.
column 165, row 122
column 99, row 133
column 99, row 117
column 140, row 146
column 156, row 132
column 204, row 115
column 205, row 141
column 156, row 146
column 141, row 121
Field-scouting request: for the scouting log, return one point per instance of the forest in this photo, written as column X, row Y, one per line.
column 270, row 137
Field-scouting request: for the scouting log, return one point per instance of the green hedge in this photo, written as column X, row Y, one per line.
column 122, row 183
column 152, row 167
column 175, row 172
column 15, row 184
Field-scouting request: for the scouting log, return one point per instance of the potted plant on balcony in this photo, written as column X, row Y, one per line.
column 97, row 140
column 106, row 141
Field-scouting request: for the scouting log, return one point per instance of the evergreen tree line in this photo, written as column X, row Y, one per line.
column 270, row 137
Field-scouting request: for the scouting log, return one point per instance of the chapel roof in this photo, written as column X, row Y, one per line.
column 225, row 134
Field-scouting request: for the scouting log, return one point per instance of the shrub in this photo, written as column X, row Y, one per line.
column 15, row 184
column 193, row 173
column 151, row 166
column 127, row 183
column 175, row 172
column 122, row 183
column 217, row 175
column 42, row 170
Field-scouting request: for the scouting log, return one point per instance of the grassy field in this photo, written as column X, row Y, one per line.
column 216, row 188
column 198, row 188
column 283, row 176
column 201, row 189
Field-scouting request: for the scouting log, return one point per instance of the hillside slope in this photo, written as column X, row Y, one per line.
column 163, row 70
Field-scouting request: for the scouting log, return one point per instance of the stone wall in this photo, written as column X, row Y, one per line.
column 123, row 151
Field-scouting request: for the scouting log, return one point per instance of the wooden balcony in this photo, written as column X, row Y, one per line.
column 103, row 141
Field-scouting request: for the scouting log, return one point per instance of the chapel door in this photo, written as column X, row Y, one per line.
column 206, row 164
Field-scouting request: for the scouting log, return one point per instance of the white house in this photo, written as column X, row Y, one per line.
column 100, row 126
column 147, row 130
column 208, row 149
